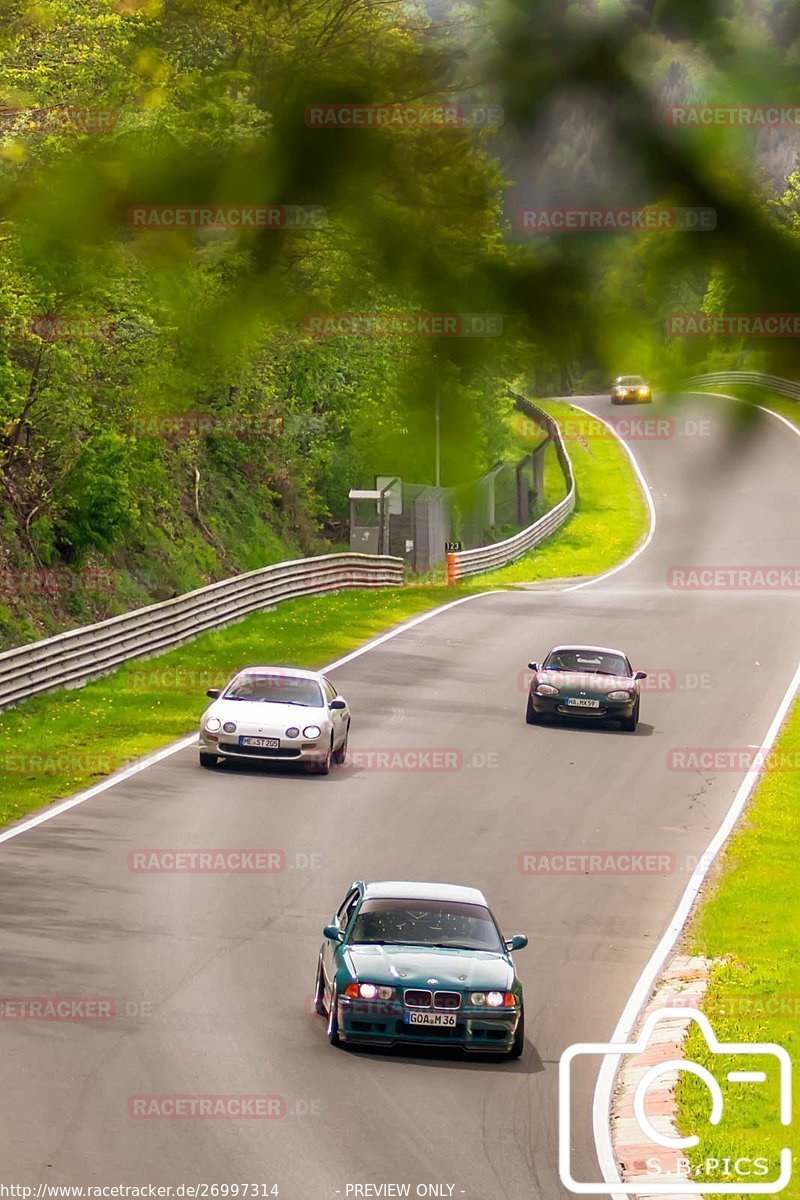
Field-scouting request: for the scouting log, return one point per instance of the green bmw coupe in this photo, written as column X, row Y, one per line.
column 420, row 963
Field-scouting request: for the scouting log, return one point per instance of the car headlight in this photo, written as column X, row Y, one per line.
column 644, row 391
column 312, row 731
column 619, row 695
column 546, row 689
column 369, row 991
column 292, row 731
column 213, row 724
column 492, row 999
column 229, row 727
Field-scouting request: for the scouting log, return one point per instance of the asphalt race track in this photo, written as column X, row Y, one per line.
column 211, row 974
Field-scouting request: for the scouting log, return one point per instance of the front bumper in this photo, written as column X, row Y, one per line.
column 227, row 747
column 631, row 398
column 383, row 1024
column 609, row 710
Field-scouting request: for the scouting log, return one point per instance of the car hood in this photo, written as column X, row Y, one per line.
column 577, row 682
column 414, row 966
column 269, row 718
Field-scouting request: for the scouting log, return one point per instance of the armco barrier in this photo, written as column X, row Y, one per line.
column 484, row 558
column 772, row 383
column 78, row 655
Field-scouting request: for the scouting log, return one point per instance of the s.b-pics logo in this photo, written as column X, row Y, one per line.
column 663, row 1165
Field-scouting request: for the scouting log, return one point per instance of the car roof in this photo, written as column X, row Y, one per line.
column 595, row 649
column 290, row 672
column 405, row 890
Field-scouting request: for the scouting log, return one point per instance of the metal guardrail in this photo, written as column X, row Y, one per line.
column 484, row 558
column 74, row 657
column 774, row 383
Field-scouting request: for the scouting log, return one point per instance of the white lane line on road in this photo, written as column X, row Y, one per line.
column 426, row 616
column 603, row 1093
column 601, row 1108
column 761, row 407
column 55, row 810
column 651, row 508
column 142, row 764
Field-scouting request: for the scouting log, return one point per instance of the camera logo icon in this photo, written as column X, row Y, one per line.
column 751, row 1182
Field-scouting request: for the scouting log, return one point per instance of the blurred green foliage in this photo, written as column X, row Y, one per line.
column 208, row 105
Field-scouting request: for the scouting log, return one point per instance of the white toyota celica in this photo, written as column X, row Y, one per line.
column 276, row 714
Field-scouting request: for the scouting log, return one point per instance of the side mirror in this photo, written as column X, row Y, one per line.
column 518, row 942
column 640, row 675
column 338, row 703
column 333, row 933
column 533, row 666
column 214, row 693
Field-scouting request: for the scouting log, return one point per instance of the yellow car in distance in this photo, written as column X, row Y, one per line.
column 631, row 389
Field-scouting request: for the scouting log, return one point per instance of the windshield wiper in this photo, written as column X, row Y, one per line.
column 453, row 946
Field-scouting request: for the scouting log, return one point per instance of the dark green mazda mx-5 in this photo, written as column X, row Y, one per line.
column 420, row 963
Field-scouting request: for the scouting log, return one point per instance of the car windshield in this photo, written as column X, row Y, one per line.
column 275, row 689
column 629, row 380
column 587, row 662
column 426, row 923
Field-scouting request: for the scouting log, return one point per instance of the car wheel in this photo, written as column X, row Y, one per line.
column 319, row 992
column 320, row 766
column 340, row 755
column 333, row 1022
column 531, row 715
column 518, row 1044
column 629, row 723
column 209, row 761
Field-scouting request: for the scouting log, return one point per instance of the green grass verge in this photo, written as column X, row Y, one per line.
column 610, row 519
column 748, row 921
column 68, row 740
